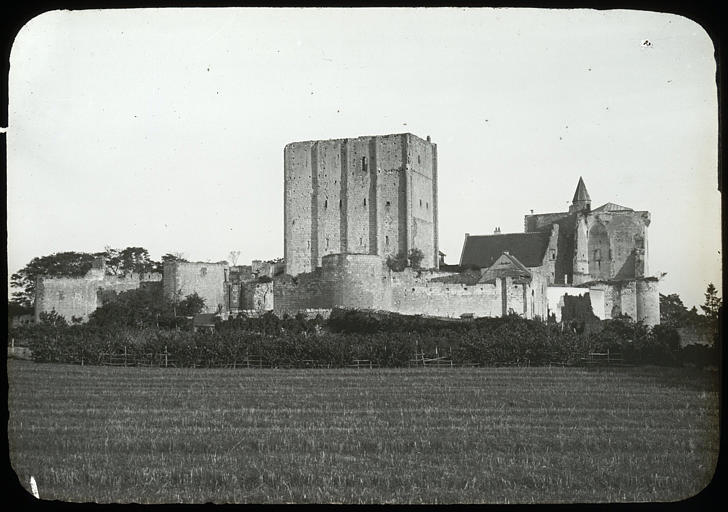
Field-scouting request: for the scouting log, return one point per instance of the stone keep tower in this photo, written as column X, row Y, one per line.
column 367, row 195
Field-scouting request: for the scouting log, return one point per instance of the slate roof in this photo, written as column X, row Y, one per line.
column 483, row 250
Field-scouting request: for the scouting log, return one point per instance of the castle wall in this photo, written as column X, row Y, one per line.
column 256, row 296
column 304, row 291
column 416, row 297
column 361, row 281
column 368, row 195
column 208, row 280
column 80, row 296
column 556, row 300
column 541, row 221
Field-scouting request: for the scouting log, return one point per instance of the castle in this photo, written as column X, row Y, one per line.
column 350, row 205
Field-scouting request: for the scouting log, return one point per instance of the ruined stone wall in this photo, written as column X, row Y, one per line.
column 368, row 195
column 80, row 296
column 414, row 297
column 304, row 291
column 627, row 231
column 257, row 296
column 541, row 221
column 208, row 280
column 596, row 296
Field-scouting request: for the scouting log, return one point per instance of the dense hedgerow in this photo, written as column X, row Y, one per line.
column 387, row 340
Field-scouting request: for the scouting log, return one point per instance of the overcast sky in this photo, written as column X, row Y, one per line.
column 165, row 128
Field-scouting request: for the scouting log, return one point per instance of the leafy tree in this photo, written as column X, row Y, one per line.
column 191, row 305
column 142, row 307
column 173, row 256
column 712, row 309
column 52, row 319
column 415, row 257
column 672, row 310
column 131, row 259
column 713, row 303
column 398, row 262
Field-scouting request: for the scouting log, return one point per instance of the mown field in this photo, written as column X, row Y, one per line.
column 493, row 435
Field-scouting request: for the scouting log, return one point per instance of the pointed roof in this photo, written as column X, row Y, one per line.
column 581, row 194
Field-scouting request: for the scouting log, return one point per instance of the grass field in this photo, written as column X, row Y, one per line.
column 498, row 435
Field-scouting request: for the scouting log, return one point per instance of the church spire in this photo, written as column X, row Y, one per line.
column 581, row 200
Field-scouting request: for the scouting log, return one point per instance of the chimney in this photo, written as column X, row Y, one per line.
column 497, row 230
column 428, row 139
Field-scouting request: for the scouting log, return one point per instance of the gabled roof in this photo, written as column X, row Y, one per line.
column 528, row 248
column 506, row 265
column 581, row 194
column 612, row 207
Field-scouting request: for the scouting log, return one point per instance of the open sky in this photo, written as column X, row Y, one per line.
column 165, row 128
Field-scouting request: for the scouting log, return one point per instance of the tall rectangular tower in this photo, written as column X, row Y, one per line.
column 367, row 195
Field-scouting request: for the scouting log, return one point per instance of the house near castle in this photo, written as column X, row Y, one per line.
column 351, row 204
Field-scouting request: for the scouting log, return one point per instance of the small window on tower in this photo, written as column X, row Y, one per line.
column 326, row 203
column 364, row 164
column 386, row 240
column 388, row 204
column 339, row 204
column 203, row 271
column 365, row 201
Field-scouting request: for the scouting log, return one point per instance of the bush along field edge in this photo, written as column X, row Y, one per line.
column 351, row 338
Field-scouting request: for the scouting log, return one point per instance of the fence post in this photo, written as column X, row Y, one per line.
column 124, row 355
column 165, row 356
